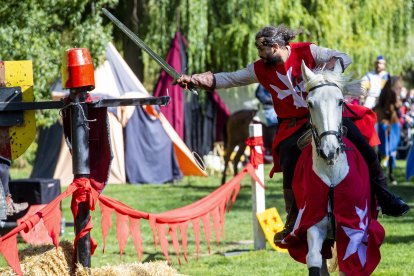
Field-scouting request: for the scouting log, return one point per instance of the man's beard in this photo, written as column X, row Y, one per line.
column 272, row 60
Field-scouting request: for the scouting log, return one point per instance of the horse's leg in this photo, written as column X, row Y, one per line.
column 315, row 236
column 229, row 151
column 226, row 163
column 324, row 269
column 239, row 153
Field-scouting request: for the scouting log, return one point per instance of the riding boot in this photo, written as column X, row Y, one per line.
column 391, row 205
column 292, row 214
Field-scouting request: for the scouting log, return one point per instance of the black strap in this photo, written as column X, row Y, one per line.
column 331, row 214
column 324, row 84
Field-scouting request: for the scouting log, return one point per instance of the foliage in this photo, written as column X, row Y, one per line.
column 42, row 30
column 221, row 33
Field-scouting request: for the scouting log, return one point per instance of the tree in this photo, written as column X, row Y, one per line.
column 43, row 30
column 221, row 33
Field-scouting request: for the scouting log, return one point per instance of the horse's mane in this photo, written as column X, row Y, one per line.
column 344, row 82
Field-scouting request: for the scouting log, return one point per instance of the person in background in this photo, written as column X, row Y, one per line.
column 279, row 71
column 388, row 123
column 374, row 81
column 265, row 98
column 10, row 207
column 7, row 206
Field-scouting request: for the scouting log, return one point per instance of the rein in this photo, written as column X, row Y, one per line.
column 318, row 137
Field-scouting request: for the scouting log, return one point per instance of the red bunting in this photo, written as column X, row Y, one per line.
column 136, row 236
column 122, row 231
column 212, row 207
column 42, row 232
column 8, row 248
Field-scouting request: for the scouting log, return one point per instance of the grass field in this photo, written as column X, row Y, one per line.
column 234, row 256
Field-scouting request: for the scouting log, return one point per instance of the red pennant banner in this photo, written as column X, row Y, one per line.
column 210, row 208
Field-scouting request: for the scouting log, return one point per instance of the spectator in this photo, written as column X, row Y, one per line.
column 374, row 81
column 10, row 207
column 263, row 95
column 7, row 207
column 388, row 118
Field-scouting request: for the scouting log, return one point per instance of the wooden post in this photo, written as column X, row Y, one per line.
column 80, row 162
column 258, row 193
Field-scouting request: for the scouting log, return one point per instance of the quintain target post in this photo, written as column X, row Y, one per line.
column 18, row 126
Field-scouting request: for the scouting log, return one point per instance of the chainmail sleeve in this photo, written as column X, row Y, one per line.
column 241, row 77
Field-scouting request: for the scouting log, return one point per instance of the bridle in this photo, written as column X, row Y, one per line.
column 318, row 137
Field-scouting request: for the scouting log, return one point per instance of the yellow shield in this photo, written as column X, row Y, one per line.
column 14, row 140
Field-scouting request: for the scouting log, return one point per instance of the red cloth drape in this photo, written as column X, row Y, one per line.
column 359, row 235
column 256, row 158
column 174, row 112
column 364, row 118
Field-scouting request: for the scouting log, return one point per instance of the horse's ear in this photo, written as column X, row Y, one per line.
column 307, row 73
column 338, row 67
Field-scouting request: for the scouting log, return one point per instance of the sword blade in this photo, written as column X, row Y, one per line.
column 164, row 65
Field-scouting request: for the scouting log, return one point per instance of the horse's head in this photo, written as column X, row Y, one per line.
column 325, row 102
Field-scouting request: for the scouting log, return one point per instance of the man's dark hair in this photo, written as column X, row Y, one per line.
column 280, row 35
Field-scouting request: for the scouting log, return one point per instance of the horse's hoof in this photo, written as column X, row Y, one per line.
column 314, row 271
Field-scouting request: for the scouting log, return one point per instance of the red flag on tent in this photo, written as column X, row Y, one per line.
column 174, row 112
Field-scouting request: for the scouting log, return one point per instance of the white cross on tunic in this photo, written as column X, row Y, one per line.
column 358, row 238
column 298, row 101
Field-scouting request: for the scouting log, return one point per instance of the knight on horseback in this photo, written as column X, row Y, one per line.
column 279, row 71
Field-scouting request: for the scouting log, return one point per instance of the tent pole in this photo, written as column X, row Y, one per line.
column 80, row 162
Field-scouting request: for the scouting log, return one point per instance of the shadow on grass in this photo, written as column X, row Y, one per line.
column 154, row 256
column 397, row 239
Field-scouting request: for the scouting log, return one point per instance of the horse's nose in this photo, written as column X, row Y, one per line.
column 330, row 157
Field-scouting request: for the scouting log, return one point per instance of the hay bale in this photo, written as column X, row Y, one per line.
column 45, row 260
column 159, row 268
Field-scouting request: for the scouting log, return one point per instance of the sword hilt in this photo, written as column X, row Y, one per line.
column 192, row 89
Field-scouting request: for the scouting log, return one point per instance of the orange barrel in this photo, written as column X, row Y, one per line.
column 77, row 69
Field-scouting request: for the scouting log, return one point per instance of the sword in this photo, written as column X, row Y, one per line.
column 164, row 65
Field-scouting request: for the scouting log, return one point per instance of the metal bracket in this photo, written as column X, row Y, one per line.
column 11, row 95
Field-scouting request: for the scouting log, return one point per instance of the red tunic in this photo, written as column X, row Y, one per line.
column 284, row 81
column 285, row 84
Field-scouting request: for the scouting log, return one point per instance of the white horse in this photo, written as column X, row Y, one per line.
column 330, row 164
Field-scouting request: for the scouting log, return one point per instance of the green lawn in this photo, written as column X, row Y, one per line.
column 397, row 250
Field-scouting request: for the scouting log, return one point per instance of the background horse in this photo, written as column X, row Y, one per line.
column 236, row 133
column 332, row 180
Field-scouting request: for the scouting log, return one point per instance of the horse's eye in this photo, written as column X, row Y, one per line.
column 341, row 102
column 310, row 104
